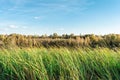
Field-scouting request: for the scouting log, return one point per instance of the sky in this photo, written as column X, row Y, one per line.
column 39, row 17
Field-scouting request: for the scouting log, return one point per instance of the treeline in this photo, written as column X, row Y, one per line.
column 55, row 40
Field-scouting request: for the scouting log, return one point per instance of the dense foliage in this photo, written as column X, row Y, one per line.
column 91, row 40
column 59, row 64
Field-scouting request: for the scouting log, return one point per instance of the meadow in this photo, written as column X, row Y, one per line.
column 59, row 39
column 59, row 64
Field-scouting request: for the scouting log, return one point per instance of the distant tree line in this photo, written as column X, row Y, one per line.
column 55, row 40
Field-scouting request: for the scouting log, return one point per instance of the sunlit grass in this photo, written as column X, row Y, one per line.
column 59, row 64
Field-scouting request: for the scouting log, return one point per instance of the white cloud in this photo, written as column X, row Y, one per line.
column 4, row 29
column 13, row 26
column 16, row 27
column 60, row 29
column 38, row 17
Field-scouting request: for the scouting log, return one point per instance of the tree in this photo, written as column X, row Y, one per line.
column 71, row 35
column 55, row 35
column 44, row 36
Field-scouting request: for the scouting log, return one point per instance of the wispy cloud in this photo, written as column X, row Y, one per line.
column 17, row 27
column 55, row 5
column 4, row 29
column 38, row 17
column 13, row 26
column 61, row 29
column 8, row 29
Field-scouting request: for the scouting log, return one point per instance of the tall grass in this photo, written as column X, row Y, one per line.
column 59, row 64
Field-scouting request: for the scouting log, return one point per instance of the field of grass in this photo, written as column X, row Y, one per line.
column 59, row 64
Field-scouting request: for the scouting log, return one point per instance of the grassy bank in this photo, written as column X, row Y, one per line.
column 59, row 64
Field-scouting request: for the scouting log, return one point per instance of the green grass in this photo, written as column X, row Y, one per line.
column 59, row 64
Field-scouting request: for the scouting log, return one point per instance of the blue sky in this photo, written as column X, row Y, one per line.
column 60, row 16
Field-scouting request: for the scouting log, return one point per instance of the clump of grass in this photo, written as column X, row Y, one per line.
column 59, row 64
